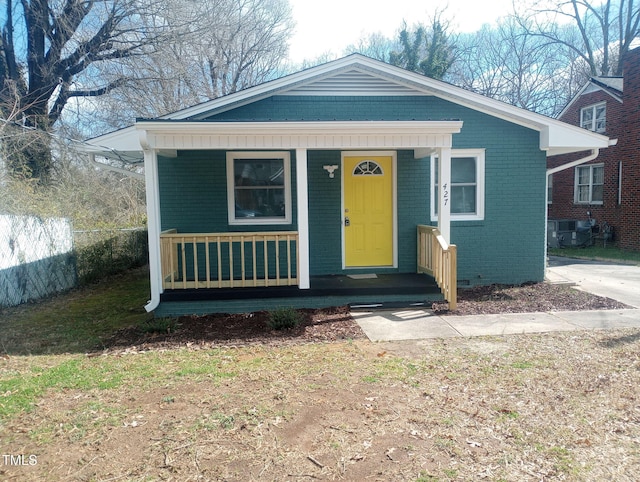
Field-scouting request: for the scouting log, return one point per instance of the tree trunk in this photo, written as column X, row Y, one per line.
column 27, row 153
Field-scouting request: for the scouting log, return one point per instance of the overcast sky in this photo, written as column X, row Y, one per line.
column 332, row 25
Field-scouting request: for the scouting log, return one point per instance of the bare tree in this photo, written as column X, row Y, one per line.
column 375, row 45
column 217, row 47
column 50, row 51
column 600, row 31
column 505, row 63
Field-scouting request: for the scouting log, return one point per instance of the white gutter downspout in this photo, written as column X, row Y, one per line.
column 577, row 162
column 153, row 224
column 553, row 170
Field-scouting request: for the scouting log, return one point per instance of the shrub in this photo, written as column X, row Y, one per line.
column 159, row 325
column 284, row 318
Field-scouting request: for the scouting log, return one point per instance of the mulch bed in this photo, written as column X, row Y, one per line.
column 317, row 325
column 333, row 324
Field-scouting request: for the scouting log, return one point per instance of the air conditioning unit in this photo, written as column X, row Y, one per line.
column 569, row 233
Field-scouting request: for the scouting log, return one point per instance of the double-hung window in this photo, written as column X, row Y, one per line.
column 259, row 187
column 594, row 117
column 589, row 184
column 467, row 185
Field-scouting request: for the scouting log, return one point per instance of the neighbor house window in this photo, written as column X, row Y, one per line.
column 594, row 117
column 259, row 187
column 589, row 184
column 467, row 185
column 550, row 189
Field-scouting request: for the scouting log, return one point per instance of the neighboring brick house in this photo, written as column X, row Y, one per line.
column 606, row 189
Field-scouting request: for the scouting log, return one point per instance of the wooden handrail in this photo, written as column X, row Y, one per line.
column 228, row 260
column 439, row 259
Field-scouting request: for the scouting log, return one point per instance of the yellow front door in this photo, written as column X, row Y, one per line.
column 368, row 211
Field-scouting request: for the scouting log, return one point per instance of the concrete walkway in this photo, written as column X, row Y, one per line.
column 393, row 325
column 619, row 282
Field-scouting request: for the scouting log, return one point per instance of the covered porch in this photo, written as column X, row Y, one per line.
column 271, row 259
column 236, row 267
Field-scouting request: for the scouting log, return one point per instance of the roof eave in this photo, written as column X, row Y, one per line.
column 565, row 139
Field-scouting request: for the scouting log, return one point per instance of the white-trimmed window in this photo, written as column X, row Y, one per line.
column 550, row 189
column 589, row 184
column 594, row 117
column 259, row 187
column 467, row 185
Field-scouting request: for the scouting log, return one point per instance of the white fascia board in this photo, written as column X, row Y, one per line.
column 561, row 138
column 594, row 87
column 554, row 134
column 296, row 135
column 302, row 127
column 126, row 139
column 123, row 145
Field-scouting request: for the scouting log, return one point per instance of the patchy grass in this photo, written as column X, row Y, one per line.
column 553, row 407
column 558, row 406
column 77, row 321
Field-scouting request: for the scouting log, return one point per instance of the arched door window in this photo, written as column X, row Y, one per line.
column 368, row 168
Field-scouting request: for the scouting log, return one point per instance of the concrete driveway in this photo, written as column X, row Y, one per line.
column 620, row 282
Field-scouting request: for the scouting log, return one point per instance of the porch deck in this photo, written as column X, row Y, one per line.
column 402, row 289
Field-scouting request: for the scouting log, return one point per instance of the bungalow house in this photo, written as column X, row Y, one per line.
column 350, row 182
column 605, row 191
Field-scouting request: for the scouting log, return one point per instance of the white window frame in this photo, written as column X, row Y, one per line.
column 479, row 155
column 232, row 156
column 592, row 123
column 576, row 190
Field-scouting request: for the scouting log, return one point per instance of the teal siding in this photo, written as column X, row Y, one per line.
column 506, row 247
column 340, row 108
column 193, row 194
column 325, row 218
column 413, row 206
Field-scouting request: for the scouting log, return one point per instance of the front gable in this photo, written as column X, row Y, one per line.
column 354, row 88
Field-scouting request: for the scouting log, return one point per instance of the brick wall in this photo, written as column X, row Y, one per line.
column 623, row 123
column 629, row 149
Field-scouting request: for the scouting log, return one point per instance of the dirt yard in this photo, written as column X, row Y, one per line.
column 224, row 398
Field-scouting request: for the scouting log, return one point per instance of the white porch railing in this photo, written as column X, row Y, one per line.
column 228, row 260
column 438, row 259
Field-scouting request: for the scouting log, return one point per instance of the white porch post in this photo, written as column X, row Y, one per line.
column 302, row 196
column 153, row 226
column 444, row 198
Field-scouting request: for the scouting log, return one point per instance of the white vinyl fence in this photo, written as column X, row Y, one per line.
column 36, row 258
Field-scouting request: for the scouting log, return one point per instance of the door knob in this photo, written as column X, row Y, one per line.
column 346, row 221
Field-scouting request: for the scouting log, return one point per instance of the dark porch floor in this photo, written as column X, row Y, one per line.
column 383, row 289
